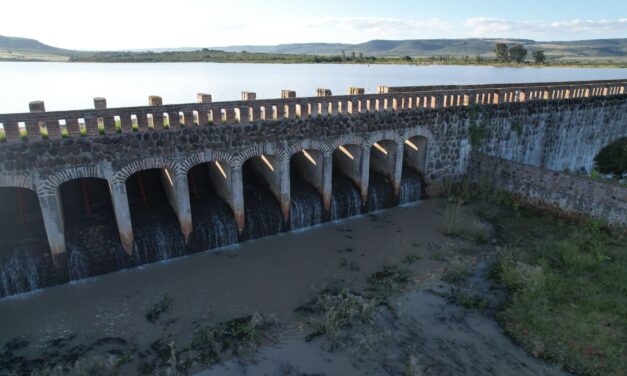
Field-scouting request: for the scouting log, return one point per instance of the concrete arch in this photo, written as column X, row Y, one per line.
column 257, row 150
column 349, row 140
column 51, row 184
column 323, row 147
column 120, row 176
column 18, row 181
column 385, row 135
column 417, row 131
column 205, row 157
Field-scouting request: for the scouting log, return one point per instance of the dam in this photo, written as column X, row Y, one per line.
column 88, row 192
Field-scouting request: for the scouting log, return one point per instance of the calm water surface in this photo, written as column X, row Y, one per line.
column 65, row 86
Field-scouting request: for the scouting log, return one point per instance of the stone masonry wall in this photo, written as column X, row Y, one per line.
column 559, row 137
column 557, row 134
column 567, row 193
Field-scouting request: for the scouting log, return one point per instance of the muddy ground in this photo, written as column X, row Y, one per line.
column 235, row 311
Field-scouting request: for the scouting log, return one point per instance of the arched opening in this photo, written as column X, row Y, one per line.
column 210, row 192
column 262, row 209
column 23, row 241
column 156, row 228
column 345, row 198
column 414, row 165
column 91, row 233
column 306, row 188
column 382, row 175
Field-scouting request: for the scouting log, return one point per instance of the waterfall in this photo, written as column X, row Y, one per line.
column 410, row 187
column 380, row 192
column 78, row 263
column 306, row 209
column 263, row 213
column 157, row 234
column 19, row 273
column 214, row 224
column 345, row 200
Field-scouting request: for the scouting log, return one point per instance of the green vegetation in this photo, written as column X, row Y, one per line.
column 538, row 57
column 602, row 52
column 238, row 337
column 612, row 159
column 568, row 285
column 156, row 309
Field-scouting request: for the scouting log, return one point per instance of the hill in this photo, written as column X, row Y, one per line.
column 600, row 48
column 24, row 49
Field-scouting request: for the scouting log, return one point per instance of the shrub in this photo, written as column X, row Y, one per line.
column 612, row 159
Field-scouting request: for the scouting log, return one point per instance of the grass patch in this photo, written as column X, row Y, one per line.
column 337, row 309
column 568, row 286
column 391, row 279
column 411, row 259
column 156, row 309
column 239, row 337
column 467, row 230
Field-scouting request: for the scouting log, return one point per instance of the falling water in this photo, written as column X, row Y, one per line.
column 380, row 192
column 345, row 201
column 18, row 273
column 306, row 207
column 78, row 263
column 263, row 215
column 214, row 224
column 157, row 234
column 410, row 187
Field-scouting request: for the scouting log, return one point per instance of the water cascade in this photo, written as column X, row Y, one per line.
column 345, row 201
column 411, row 188
column 306, row 207
column 380, row 192
column 262, row 211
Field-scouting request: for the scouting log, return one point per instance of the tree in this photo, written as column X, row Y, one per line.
column 518, row 53
column 478, row 59
column 343, row 55
column 501, row 51
column 612, row 159
column 539, row 57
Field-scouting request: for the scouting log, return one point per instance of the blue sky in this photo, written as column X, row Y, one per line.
column 126, row 24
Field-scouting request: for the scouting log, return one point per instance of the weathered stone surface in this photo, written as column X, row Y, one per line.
column 568, row 193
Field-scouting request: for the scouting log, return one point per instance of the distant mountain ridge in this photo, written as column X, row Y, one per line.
column 17, row 44
column 14, row 48
column 446, row 47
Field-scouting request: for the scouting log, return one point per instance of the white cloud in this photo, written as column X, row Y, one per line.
column 494, row 27
column 382, row 27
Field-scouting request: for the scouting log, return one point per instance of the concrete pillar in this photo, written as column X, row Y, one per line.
column 288, row 94
column 122, row 213
column 284, row 178
column 100, row 103
column 398, row 169
column 364, row 175
column 203, row 98
column 53, row 223
column 237, row 186
column 37, row 106
column 177, row 191
column 248, row 96
column 181, row 188
column 327, row 180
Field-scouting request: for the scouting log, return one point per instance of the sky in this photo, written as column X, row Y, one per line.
column 144, row 24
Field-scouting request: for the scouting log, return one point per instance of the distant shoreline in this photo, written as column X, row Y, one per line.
column 382, row 61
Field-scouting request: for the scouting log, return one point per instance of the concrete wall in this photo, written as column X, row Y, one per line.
column 572, row 194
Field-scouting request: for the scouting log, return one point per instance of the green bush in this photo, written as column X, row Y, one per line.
column 612, row 159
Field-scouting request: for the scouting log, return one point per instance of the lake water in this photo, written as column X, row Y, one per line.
column 65, row 86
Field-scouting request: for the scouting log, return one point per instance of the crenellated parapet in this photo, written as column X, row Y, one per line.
column 40, row 125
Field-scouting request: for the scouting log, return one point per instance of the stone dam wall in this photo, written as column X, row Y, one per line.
column 102, row 153
column 574, row 195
